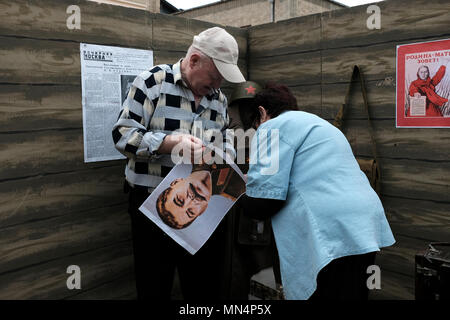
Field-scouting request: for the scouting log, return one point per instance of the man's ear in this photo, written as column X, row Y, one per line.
column 194, row 60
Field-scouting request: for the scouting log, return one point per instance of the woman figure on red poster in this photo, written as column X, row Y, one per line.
column 425, row 86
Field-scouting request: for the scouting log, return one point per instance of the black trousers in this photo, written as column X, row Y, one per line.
column 245, row 258
column 156, row 256
column 344, row 278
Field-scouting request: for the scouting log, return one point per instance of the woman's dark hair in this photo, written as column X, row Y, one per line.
column 275, row 98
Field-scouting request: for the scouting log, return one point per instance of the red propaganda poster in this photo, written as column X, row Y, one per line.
column 423, row 85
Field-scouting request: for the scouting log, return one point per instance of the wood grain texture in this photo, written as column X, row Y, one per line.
column 394, row 286
column 348, row 28
column 309, row 98
column 291, row 69
column 100, row 23
column 29, row 61
column 43, row 240
column 414, row 179
column 429, row 220
column 418, row 144
column 400, row 257
column 44, row 152
column 283, row 37
column 27, row 108
column 400, row 20
column 47, row 280
column 380, row 95
column 376, row 62
column 47, row 196
column 121, row 288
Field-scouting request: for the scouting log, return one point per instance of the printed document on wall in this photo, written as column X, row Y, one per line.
column 106, row 75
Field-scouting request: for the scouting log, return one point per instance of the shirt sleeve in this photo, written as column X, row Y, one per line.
column 438, row 76
column 260, row 209
column 130, row 133
column 271, row 161
column 413, row 89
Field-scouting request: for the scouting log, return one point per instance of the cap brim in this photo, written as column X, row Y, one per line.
column 229, row 72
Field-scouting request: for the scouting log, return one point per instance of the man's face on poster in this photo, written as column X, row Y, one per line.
column 185, row 199
column 423, row 72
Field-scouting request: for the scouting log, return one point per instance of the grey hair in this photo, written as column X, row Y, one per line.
column 193, row 50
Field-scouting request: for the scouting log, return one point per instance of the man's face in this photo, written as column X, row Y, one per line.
column 188, row 198
column 423, row 73
column 203, row 75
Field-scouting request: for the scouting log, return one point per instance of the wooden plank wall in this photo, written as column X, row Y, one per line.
column 55, row 210
column 315, row 55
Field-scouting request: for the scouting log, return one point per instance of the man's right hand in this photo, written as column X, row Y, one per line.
column 184, row 142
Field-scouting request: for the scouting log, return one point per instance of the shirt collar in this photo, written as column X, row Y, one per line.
column 177, row 73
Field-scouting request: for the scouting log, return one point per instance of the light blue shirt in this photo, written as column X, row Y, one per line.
column 331, row 210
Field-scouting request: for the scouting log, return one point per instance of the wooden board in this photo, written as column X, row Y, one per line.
column 49, row 239
column 380, row 95
column 30, row 108
column 120, row 288
column 394, row 286
column 47, row 280
column 417, row 144
column 412, row 179
column 290, row 69
column 283, row 37
column 29, row 61
column 50, row 195
column 348, row 28
column 400, row 20
column 100, row 23
column 412, row 218
column 376, row 61
column 400, row 257
column 309, row 98
column 44, row 152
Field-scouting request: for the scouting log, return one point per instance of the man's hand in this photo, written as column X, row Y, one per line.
column 184, row 143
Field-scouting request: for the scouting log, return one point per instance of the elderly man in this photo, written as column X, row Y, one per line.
column 184, row 96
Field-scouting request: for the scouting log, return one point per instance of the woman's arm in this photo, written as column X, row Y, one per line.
column 438, row 76
column 260, row 208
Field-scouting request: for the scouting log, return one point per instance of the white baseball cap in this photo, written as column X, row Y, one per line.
column 222, row 48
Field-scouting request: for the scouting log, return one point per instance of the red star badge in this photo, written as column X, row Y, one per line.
column 250, row 90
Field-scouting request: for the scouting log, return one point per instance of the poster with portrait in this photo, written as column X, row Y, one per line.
column 192, row 199
column 423, row 85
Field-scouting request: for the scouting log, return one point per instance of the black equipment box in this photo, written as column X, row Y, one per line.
column 432, row 275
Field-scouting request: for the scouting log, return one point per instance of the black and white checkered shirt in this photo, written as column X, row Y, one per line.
column 158, row 103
